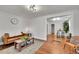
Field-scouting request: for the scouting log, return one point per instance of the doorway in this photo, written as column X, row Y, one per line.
column 56, row 23
column 52, row 28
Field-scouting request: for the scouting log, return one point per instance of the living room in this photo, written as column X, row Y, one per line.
column 39, row 29
column 17, row 21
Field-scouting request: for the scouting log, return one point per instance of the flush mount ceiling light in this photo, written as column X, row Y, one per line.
column 54, row 19
column 33, row 8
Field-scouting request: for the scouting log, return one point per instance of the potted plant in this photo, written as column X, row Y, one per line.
column 66, row 27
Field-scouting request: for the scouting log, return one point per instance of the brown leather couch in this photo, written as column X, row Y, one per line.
column 7, row 39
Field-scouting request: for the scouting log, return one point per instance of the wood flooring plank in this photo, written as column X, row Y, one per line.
column 54, row 46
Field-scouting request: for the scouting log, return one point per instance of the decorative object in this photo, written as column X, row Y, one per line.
column 29, row 34
column 24, row 38
column 1, row 41
column 66, row 26
column 69, row 36
column 60, row 33
column 14, row 21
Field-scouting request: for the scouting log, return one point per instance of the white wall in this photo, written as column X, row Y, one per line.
column 49, row 27
column 38, row 28
column 76, row 22
column 38, row 25
column 7, row 27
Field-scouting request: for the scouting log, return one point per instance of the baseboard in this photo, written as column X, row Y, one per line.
column 39, row 39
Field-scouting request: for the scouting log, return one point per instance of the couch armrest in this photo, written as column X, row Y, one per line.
column 5, row 40
column 70, row 44
column 71, row 47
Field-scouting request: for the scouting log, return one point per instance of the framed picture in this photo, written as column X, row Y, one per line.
column 14, row 21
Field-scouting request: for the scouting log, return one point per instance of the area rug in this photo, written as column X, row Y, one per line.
column 28, row 50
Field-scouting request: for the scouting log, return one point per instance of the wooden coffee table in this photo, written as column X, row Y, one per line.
column 20, row 44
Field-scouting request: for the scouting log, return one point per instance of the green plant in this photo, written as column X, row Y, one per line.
column 24, row 38
column 66, row 26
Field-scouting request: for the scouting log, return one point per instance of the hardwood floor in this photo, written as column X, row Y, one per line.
column 54, row 46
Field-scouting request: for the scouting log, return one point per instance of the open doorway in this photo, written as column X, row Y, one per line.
column 56, row 23
column 52, row 28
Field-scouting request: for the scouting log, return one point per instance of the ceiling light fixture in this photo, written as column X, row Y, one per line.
column 58, row 18
column 54, row 19
column 33, row 8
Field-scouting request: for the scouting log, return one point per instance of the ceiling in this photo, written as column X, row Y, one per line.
column 60, row 18
column 20, row 10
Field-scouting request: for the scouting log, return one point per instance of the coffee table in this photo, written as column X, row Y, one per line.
column 20, row 44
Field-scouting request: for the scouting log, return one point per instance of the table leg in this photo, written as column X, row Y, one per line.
column 19, row 49
column 33, row 40
column 15, row 45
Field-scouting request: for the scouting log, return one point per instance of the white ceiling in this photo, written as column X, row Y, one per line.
column 20, row 10
column 61, row 18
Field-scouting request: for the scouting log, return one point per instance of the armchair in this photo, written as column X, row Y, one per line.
column 72, row 44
